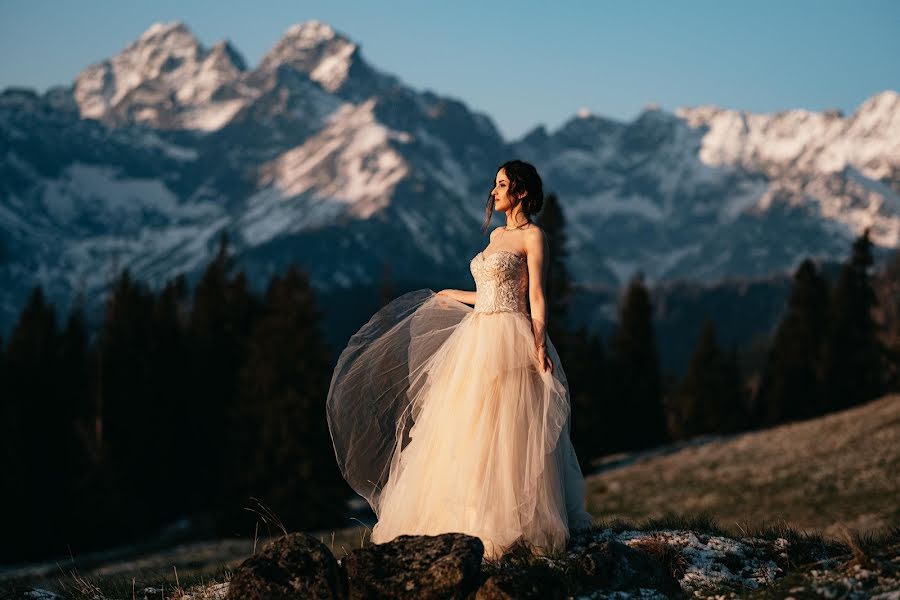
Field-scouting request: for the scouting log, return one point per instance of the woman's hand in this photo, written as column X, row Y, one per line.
column 544, row 360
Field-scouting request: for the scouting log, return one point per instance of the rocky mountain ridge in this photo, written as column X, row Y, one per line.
column 316, row 157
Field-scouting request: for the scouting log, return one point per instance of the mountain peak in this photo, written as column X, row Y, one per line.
column 313, row 31
column 167, row 61
column 223, row 50
column 653, row 114
column 174, row 38
column 161, row 30
column 158, row 46
column 877, row 120
column 314, row 48
column 886, row 102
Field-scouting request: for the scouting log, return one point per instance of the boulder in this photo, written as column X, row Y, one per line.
column 415, row 566
column 292, row 567
column 611, row 565
column 524, row 584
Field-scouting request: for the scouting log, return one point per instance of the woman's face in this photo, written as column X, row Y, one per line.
column 502, row 201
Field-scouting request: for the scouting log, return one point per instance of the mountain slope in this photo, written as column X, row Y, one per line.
column 816, row 474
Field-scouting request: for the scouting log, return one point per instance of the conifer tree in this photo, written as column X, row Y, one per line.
column 853, row 355
column 282, row 451
column 709, row 397
column 791, row 386
column 559, row 285
column 133, row 426
column 220, row 321
column 888, row 293
column 6, row 407
column 73, row 357
column 171, row 389
column 586, row 371
column 31, row 430
column 75, row 411
column 635, row 400
column 581, row 353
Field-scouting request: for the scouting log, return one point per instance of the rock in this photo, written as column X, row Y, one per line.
column 291, row 567
column 415, row 566
column 523, row 584
column 611, row 565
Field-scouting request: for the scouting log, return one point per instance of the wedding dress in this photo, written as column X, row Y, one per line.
column 443, row 420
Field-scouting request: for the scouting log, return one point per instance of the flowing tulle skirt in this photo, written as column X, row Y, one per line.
column 443, row 421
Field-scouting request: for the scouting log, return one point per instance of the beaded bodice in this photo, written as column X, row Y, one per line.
column 501, row 282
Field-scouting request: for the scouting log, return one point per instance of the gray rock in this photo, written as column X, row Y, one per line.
column 523, row 584
column 611, row 565
column 416, row 566
column 292, row 567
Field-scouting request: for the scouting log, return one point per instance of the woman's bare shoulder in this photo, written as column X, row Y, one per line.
column 534, row 235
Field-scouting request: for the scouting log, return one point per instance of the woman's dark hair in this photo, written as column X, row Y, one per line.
column 523, row 177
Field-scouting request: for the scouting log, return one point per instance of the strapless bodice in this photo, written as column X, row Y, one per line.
column 501, row 282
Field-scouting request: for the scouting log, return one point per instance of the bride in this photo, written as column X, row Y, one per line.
column 448, row 417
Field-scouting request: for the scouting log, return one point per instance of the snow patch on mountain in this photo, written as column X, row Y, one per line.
column 349, row 168
column 149, row 253
column 94, row 193
column 622, row 268
column 860, row 203
column 151, row 139
column 611, row 202
column 745, row 196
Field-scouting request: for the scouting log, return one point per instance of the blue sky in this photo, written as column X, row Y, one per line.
column 523, row 63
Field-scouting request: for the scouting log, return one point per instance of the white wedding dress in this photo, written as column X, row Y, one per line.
column 442, row 419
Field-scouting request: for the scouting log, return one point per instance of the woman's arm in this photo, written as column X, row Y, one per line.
column 538, row 254
column 459, row 295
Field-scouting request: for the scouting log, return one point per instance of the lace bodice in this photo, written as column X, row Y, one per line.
column 501, row 282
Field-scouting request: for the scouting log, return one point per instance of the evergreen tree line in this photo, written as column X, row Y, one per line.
column 836, row 346
column 180, row 405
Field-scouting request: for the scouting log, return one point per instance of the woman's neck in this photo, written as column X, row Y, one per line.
column 516, row 219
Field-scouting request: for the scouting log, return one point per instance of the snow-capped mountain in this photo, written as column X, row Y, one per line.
column 313, row 157
column 709, row 193
column 316, row 157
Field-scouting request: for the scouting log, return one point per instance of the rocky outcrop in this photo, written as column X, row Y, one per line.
column 294, row 566
column 442, row 566
column 415, row 566
column 613, row 565
column 515, row 584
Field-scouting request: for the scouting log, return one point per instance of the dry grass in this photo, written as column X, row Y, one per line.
column 828, row 486
column 170, row 587
column 806, row 552
column 818, row 476
column 671, row 557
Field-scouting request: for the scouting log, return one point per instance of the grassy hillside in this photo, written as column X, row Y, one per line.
column 815, row 475
column 783, row 495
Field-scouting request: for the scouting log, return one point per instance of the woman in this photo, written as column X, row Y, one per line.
column 451, row 418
